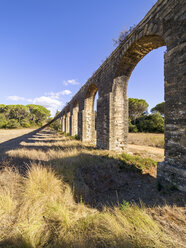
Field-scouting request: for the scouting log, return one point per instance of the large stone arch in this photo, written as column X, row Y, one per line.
column 118, row 96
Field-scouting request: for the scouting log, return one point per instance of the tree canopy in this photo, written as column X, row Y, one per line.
column 14, row 116
column 159, row 108
column 38, row 113
column 136, row 108
column 141, row 121
column 153, row 123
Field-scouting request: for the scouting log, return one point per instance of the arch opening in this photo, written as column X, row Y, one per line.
column 146, row 86
column 131, row 58
column 89, row 115
column 136, row 52
column 95, row 108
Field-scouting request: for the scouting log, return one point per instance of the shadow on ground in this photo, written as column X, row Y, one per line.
column 15, row 142
column 96, row 180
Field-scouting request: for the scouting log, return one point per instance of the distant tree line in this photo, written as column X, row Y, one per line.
column 17, row 116
column 141, row 121
column 31, row 115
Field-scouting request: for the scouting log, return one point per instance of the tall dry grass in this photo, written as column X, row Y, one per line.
column 39, row 211
column 146, row 139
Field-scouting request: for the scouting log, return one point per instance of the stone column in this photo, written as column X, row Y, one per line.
column 80, row 124
column 65, row 126
column 172, row 171
column 118, row 114
column 74, row 121
column 89, row 132
column 72, row 124
column 103, row 121
column 63, row 123
column 68, row 123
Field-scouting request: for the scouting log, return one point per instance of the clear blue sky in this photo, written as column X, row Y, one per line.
column 49, row 48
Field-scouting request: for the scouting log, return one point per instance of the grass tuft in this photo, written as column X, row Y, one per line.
column 137, row 163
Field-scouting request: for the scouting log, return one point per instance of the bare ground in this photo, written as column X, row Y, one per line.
column 147, row 152
column 7, row 134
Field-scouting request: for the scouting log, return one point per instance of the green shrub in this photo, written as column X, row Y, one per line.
column 12, row 123
column 132, row 128
column 25, row 123
column 124, row 205
column 136, row 163
column 76, row 137
column 3, row 121
column 153, row 123
column 56, row 125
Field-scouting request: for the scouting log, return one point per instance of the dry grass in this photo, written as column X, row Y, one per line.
column 39, row 210
column 146, row 139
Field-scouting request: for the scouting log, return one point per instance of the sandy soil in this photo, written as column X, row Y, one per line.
column 147, row 151
column 8, row 134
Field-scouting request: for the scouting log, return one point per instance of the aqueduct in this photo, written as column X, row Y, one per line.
column 164, row 25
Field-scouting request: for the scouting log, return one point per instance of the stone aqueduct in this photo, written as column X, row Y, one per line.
column 164, row 25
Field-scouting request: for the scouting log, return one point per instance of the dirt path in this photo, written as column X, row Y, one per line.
column 147, row 151
column 11, row 139
column 9, row 134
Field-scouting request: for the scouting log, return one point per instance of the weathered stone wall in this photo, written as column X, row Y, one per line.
column 164, row 25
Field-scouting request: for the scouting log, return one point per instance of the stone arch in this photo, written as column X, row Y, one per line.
column 74, row 118
column 89, row 132
column 119, row 113
column 136, row 52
